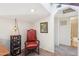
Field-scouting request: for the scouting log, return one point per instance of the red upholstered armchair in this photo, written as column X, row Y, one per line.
column 31, row 44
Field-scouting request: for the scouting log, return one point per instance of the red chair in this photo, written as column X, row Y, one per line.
column 31, row 44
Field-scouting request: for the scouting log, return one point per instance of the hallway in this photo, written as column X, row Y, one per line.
column 64, row 50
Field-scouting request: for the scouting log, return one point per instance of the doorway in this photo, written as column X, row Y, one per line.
column 66, row 32
column 74, row 31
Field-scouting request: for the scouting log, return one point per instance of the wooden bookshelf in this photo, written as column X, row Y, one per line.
column 15, row 44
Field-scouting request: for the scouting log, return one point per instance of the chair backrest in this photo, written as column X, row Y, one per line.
column 31, row 35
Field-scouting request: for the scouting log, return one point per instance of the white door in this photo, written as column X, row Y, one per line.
column 64, row 31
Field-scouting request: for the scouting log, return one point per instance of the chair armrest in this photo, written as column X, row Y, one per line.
column 38, row 42
column 25, row 43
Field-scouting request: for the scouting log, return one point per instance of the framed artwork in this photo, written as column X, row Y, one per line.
column 44, row 27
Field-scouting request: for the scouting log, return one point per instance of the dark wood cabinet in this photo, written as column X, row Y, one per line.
column 15, row 44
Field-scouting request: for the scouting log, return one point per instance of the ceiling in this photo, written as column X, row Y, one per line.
column 74, row 4
column 23, row 11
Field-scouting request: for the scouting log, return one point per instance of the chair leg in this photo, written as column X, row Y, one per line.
column 38, row 51
column 25, row 51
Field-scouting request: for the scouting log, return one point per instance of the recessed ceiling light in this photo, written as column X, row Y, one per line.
column 32, row 10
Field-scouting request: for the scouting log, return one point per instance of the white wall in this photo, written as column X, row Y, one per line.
column 46, row 40
column 6, row 25
column 56, row 30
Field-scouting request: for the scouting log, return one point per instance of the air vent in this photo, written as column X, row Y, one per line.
column 58, row 6
column 68, row 10
column 51, row 4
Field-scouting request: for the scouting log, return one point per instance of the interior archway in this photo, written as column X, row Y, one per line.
column 66, row 31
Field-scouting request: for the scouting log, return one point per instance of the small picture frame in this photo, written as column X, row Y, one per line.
column 44, row 27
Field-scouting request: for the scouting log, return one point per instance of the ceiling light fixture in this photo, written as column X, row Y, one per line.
column 32, row 10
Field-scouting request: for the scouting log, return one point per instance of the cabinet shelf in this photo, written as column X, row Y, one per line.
column 15, row 44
